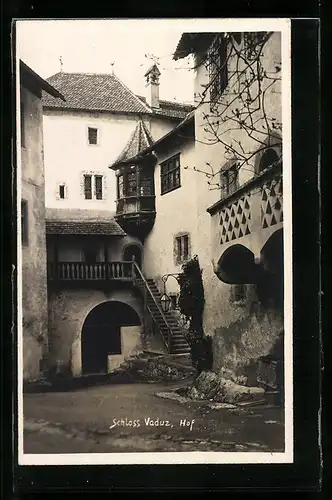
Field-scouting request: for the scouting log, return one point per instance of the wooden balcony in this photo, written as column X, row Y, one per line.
column 82, row 272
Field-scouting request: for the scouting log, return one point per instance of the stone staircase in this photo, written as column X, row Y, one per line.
column 179, row 345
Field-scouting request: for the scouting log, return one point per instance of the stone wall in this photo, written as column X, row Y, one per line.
column 242, row 332
column 68, row 310
column 34, row 288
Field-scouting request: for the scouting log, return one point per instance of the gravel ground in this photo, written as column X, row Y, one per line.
column 131, row 418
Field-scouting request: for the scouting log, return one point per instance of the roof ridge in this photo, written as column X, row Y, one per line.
column 80, row 73
column 139, row 129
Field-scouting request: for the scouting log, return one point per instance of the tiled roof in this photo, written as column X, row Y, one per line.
column 27, row 74
column 191, row 42
column 94, row 92
column 170, row 109
column 110, row 228
column 139, row 140
column 105, row 92
column 190, row 117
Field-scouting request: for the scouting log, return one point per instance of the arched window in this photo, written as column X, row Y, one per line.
column 269, row 157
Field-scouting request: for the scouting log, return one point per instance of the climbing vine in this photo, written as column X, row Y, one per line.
column 191, row 304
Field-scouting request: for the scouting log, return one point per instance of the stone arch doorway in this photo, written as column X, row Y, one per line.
column 133, row 250
column 101, row 334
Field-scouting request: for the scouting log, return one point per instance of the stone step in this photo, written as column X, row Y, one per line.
column 178, row 352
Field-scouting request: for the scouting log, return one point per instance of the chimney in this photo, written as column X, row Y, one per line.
column 152, row 86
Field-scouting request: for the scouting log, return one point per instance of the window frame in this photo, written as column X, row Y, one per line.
column 179, row 247
column 87, row 189
column 218, row 69
column 167, row 172
column 239, row 293
column 24, row 222
column 93, row 189
column 63, row 186
column 90, row 127
column 98, row 190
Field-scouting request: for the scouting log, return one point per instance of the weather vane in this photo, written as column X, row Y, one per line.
column 112, row 64
column 61, row 64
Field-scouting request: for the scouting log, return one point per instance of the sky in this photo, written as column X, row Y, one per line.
column 91, row 46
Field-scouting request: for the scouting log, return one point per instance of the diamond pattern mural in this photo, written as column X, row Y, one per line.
column 234, row 220
column 271, row 203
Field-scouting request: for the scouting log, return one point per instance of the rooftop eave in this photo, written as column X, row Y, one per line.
column 131, row 161
column 189, row 119
column 26, row 71
column 192, row 42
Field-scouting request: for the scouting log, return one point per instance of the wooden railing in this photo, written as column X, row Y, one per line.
column 81, row 271
column 143, row 284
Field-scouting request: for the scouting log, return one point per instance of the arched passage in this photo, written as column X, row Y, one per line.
column 101, row 334
column 237, row 265
column 131, row 251
column 271, row 282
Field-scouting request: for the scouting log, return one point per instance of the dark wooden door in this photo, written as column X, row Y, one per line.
column 133, row 250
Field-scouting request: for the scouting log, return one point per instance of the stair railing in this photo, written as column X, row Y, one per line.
column 147, row 289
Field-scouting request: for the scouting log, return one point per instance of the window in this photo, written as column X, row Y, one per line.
column 239, row 293
column 135, row 182
column 22, row 125
column 62, row 191
column 93, row 187
column 24, row 222
column 93, row 135
column 170, row 174
column 269, row 157
column 120, row 186
column 229, row 180
column 181, row 248
column 88, row 187
column 132, row 184
column 99, row 187
column 218, row 69
column 146, row 184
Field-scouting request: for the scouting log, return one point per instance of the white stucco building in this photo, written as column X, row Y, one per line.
column 87, row 132
column 218, row 194
column 91, row 274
